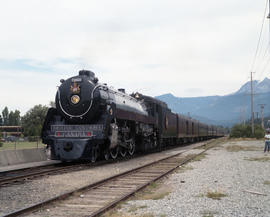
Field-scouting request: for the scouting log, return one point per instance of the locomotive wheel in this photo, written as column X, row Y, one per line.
column 131, row 149
column 123, row 151
column 95, row 154
column 114, row 152
column 48, row 152
column 106, row 155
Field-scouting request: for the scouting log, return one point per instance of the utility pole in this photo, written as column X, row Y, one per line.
column 251, row 101
column 242, row 116
column 262, row 114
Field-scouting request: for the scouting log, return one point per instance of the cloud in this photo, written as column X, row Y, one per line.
column 155, row 47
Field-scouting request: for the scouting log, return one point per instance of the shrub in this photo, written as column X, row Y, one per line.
column 245, row 131
column 258, row 132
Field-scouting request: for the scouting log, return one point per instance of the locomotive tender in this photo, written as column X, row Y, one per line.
column 92, row 120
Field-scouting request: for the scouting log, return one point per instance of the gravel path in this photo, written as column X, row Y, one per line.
column 232, row 169
column 22, row 195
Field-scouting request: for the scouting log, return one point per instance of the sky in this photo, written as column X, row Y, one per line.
column 187, row 48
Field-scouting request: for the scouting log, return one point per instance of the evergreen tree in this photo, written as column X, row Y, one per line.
column 5, row 114
column 14, row 118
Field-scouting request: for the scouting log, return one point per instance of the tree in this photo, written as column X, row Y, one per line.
column 32, row 121
column 1, row 121
column 1, row 143
column 5, row 114
column 14, row 118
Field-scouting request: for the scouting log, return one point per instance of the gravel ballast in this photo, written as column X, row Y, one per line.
column 238, row 173
column 15, row 197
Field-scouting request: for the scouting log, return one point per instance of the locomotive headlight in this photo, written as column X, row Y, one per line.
column 75, row 99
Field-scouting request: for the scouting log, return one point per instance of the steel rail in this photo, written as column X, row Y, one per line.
column 42, row 171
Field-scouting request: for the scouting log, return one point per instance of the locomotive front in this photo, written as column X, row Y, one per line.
column 77, row 125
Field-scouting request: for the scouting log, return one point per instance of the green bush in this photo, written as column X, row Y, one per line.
column 244, row 131
column 258, row 132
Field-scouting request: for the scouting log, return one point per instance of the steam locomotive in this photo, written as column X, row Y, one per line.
column 92, row 120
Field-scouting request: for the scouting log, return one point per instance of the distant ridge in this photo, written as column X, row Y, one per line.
column 222, row 110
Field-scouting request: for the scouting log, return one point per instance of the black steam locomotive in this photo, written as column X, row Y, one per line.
column 92, row 120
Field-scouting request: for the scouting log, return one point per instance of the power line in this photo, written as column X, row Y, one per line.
column 260, row 36
column 264, row 63
column 264, row 69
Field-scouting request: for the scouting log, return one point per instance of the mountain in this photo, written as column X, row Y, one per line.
column 222, row 110
column 258, row 87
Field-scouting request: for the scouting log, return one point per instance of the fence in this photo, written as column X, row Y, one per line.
column 19, row 143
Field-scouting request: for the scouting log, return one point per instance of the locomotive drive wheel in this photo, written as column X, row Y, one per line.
column 131, row 148
column 114, row 152
column 123, row 151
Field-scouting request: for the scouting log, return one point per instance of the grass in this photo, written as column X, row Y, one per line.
column 114, row 213
column 184, row 168
column 266, row 182
column 133, row 208
column 200, row 195
column 259, row 159
column 213, row 143
column 154, row 191
column 236, row 148
column 208, row 213
column 146, row 215
column 20, row 145
column 215, row 195
column 199, row 157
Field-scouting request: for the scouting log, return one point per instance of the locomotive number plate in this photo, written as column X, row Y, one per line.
column 77, row 128
column 73, row 134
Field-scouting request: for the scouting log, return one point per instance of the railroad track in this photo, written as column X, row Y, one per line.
column 22, row 175
column 19, row 175
column 97, row 198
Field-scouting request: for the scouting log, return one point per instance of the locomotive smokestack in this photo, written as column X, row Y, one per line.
column 89, row 74
column 122, row 90
column 86, row 73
